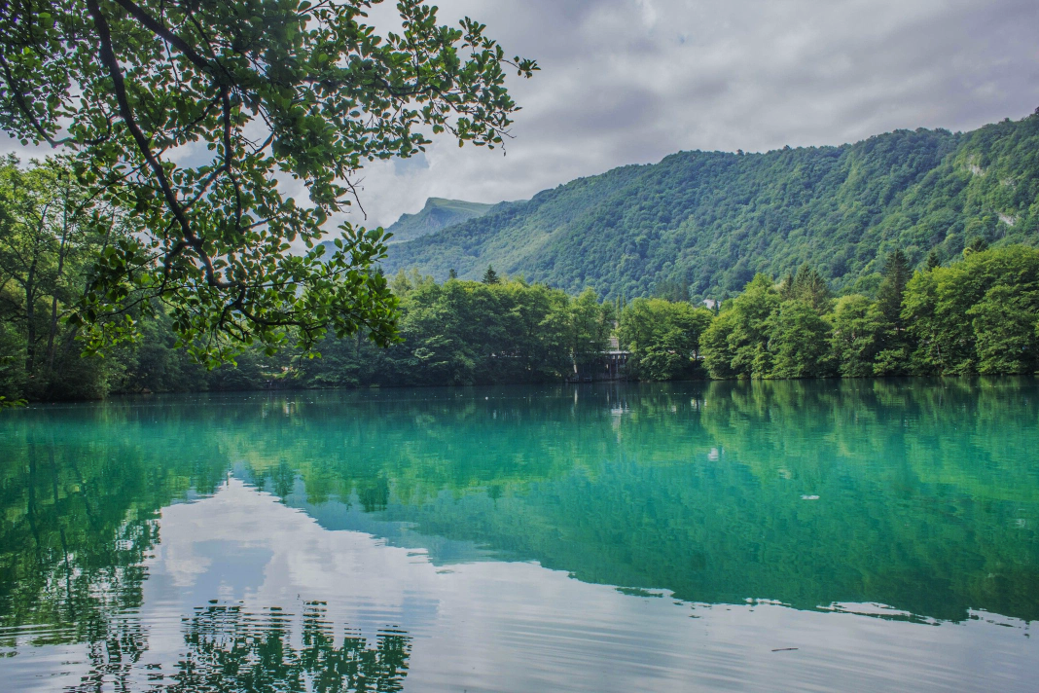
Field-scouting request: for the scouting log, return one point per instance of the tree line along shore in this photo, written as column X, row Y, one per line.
column 977, row 315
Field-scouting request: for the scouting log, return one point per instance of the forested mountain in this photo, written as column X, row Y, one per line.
column 435, row 215
column 968, row 310
column 713, row 219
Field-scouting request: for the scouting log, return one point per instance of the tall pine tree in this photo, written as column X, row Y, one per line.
column 893, row 359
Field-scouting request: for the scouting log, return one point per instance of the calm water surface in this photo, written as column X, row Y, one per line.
column 849, row 536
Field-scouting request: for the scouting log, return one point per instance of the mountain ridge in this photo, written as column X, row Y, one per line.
column 437, row 213
column 712, row 220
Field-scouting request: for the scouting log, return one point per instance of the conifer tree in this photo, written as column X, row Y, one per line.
column 893, row 358
column 809, row 286
column 897, row 274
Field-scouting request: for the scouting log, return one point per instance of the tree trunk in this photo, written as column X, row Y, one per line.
column 62, row 250
column 30, row 320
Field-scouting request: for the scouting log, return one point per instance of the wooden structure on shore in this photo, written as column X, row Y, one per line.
column 611, row 365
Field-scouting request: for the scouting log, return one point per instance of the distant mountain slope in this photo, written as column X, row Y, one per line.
column 713, row 219
column 436, row 214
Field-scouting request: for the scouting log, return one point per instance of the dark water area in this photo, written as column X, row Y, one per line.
column 767, row 536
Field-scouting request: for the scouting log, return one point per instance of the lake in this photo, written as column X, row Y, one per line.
column 768, row 536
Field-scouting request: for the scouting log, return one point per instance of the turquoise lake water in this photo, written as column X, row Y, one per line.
column 771, row 536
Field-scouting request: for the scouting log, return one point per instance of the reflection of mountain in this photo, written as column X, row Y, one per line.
column 928, row 497
column 335, row 515
column 718, row 535
column 915, row 495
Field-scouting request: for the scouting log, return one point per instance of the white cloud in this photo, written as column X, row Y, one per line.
column 649, row 13
column 630, row 81
column 500, row 626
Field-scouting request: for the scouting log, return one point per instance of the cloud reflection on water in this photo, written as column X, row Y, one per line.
column 494, row 625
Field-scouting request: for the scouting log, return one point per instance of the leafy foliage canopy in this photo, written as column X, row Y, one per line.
column 197, row 120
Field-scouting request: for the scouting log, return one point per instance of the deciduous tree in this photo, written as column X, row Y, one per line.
column 203, row 118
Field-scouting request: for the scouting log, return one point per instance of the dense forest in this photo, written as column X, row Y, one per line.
column 710, row 221
column 972, row 312
column 458, row 332
column 976, row 315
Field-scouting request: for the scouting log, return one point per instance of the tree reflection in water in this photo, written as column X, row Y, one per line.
column 228, row 649
column 919, row 495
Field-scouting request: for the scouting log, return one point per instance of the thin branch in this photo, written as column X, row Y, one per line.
column 111, row 63
column 162, row 31
column 225, row 97
column 353, row 191
column 19, row 98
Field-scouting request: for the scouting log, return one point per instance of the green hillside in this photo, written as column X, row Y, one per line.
column 714, row 219
column 435, row 215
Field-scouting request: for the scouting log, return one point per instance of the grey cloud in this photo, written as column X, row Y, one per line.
column 630, row 81
column 411, row 165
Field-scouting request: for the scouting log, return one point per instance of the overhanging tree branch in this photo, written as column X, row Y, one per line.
column 220, row 242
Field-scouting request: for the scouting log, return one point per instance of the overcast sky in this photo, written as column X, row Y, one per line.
column 631, row 81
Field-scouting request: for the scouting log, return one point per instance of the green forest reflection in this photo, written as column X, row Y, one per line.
column 921, row 495
column 79, row 515
column 232, row 650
